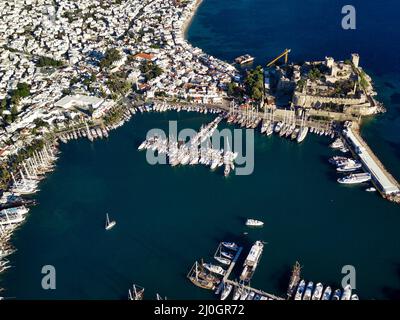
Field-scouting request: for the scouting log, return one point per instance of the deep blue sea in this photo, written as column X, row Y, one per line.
column 169, row 217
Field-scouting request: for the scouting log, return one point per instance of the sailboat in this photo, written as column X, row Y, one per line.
column 109, row 224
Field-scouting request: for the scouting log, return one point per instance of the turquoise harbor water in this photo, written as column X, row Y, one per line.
column 169, row 217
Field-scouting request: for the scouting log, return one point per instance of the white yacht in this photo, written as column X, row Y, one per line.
column 223, row 260
column 318, row 291
column 346, row 293
column 244, row 294
column 237, row 293
column 300, row 290
column 270, row 129
column 227, row 255
column 355, row 178
column 327, row 293
column 251, row 295
column 309, row 290
column 254, row 223
column 252, row 259
column 337, row 294
column 337, row 144
column 350, row 165
column 230, row 245
column 302, row 134
column 215, row 269
column 226, row 292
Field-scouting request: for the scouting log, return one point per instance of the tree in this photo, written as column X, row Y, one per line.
column 49, row 62
column 14, row 112
column 256, row 94
column 40, row 123
column 110, row 56
column 15, row 99
column 254, row 83
column 3, row 105
column 150, row 70
column 23, row 89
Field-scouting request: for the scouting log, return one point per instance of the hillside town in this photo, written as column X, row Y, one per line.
column 56, row 54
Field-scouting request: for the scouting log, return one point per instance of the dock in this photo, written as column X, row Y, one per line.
column 257, row 291
column 207, row 281
column 232, row 265
column 384, row 182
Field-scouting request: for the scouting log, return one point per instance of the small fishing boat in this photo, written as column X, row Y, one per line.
column 109, row 224
column 372, row 189
column 254, row 223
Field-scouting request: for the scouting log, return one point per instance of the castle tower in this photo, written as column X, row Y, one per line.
column 329, row 61
column 355, row 59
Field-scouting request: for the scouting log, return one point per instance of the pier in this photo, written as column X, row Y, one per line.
column 381, row 178
column 232, row 265
column 257, row 291
column 209, row 281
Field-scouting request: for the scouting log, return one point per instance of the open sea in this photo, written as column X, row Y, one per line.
column 169, row 217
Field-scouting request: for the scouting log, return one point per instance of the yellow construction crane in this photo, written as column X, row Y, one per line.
column 283, row 54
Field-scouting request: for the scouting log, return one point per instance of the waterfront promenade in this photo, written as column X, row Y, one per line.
column 382, row 179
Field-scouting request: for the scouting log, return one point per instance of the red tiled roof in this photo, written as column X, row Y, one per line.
column 145, row 56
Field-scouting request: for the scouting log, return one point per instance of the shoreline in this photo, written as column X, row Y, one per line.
column 187, row 23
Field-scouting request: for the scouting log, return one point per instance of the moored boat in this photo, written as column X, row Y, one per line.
column 346, row 293
column 327, row 293
column 254, row 223
column 355, row 178
column 300, row 290
column 308, row 291
column 226, row 292
column 215, row 269
column 223, row 260
column 230, row 245
column 318, row 291
column 337, row 294
column 109, row 224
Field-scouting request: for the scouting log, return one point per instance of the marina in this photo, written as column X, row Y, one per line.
column 166, row 215
column 209, row 278
column 66, row 185
column 225, row 286
column 14, row 208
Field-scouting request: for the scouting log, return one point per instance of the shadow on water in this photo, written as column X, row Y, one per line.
column 396, row 148
column 324, row 159
column 280, row 279
column 393, row 293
